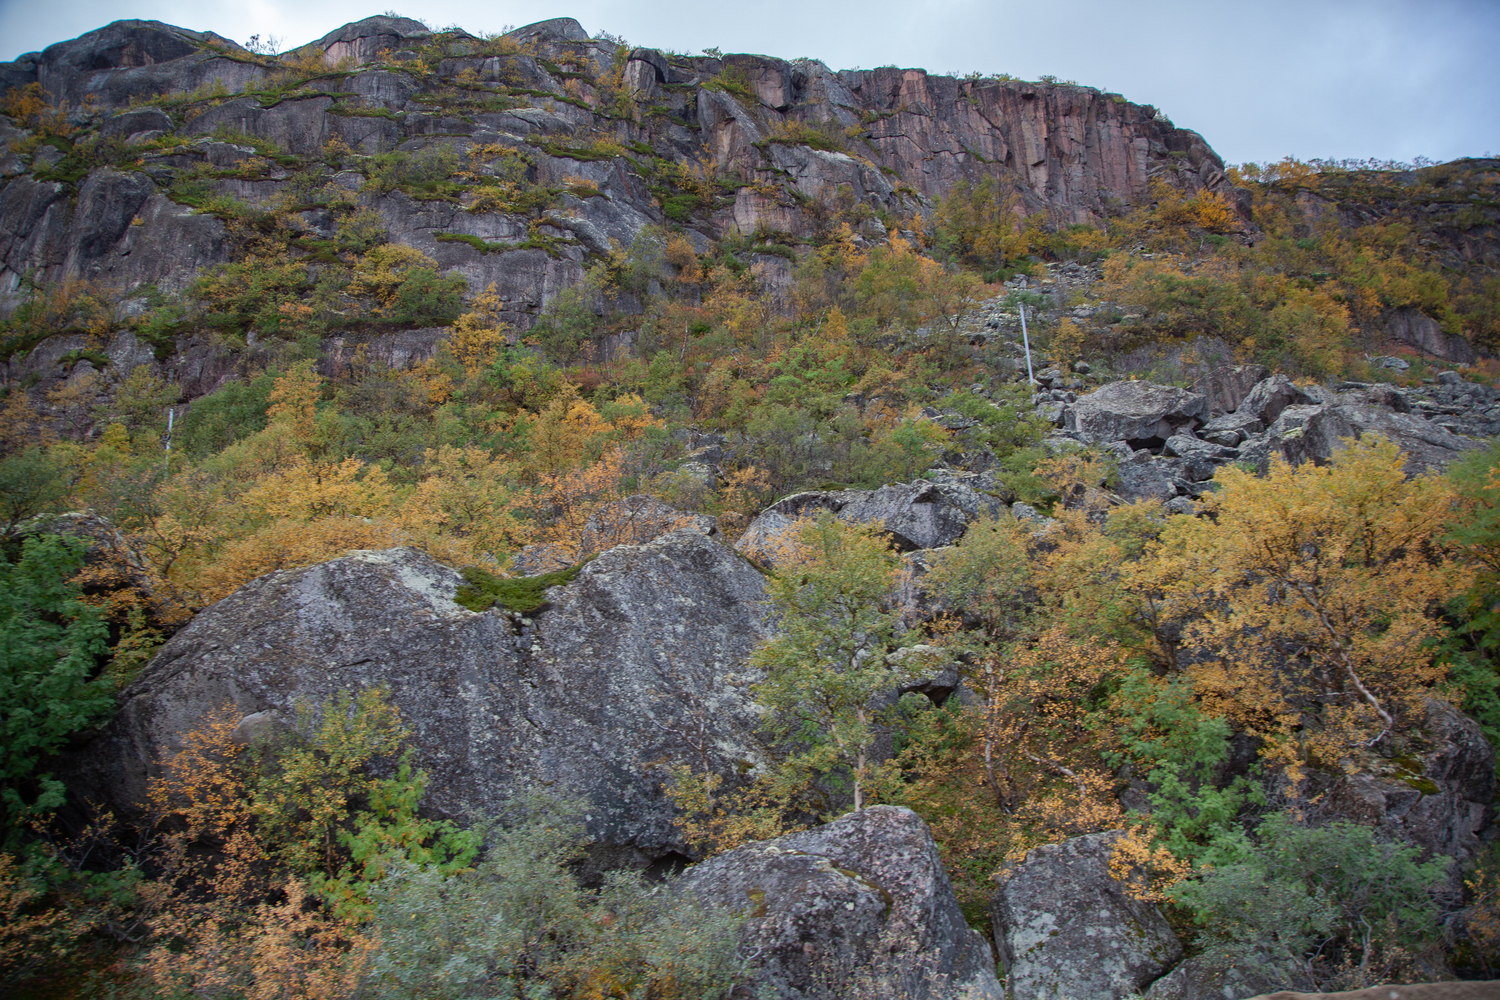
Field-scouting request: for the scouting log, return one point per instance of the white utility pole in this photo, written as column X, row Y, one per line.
column 1027, row 341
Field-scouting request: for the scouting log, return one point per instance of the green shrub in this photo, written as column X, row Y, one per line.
column 221, row 418
column 519, row 925
column 1301, row 889
column 50, row 646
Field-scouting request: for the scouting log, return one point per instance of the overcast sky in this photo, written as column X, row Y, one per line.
column 1259, row 80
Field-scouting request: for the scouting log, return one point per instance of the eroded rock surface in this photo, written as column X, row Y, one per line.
column 860, row 907
column 1065, row 927
column 583, row 698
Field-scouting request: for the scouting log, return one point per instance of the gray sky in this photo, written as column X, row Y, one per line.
column 1391, row 79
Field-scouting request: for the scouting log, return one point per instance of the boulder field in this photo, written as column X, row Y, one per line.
column 638, row 662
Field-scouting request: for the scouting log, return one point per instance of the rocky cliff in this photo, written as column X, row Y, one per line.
column 616, row 138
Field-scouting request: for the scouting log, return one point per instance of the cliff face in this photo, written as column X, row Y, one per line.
column 753, row 144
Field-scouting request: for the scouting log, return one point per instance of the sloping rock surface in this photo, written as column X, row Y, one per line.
column 858, row 907
column 581, row 699
column 1064, row 926
column 1416, row 991
column 1218, row 974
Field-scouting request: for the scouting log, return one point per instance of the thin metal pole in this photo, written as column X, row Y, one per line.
column 1027, row 341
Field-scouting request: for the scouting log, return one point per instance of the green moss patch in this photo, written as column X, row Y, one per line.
column 484, row 589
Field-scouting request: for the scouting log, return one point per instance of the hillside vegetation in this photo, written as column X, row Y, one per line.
column 489, row 378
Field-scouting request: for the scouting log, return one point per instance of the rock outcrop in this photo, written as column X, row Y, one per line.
column 1414, row 328
column 860, row 907
column 1069, row 151
column 624, row 669
column 1439, row 800
column 1065, row 927
column 918, row 515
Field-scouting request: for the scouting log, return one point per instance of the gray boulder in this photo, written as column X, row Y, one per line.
column 1222, row 973
column 1309, row 433
column 1427, row 445
column 1269, row 397
column 583, row 698
column 1141, row 413
column 1202, row 458
column 1231, row 428
column 917, row 515
column 1226, row 388
column 1065, row 927
column 860, row 907
column 1140, row 478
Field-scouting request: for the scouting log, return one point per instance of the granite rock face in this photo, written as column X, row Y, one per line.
column 583, row 698
column 860, row 907
column 1069, row 151
column 1065, row 927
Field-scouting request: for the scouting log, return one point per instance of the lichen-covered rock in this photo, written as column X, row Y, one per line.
column 1438, row 800
column 918, row 515
column 860, row 907
column 584, row 698
column 636, row 520
column 1141, row 413
column 1065, row 927
column 1270, row 396
column 541, row 557
column 1223, row 974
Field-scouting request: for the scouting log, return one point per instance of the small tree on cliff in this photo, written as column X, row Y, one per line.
column 835, row 652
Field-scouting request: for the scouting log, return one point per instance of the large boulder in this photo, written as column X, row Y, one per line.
column 1141, row 413
column 1065, row 927
column 1226, row 388
column 917, row 515
column 1202, row 458
column 1223, row 973
column 582, row 698
column 859, row 907
column 1270, row 396
column 1439, row 800
column 1427, row 445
